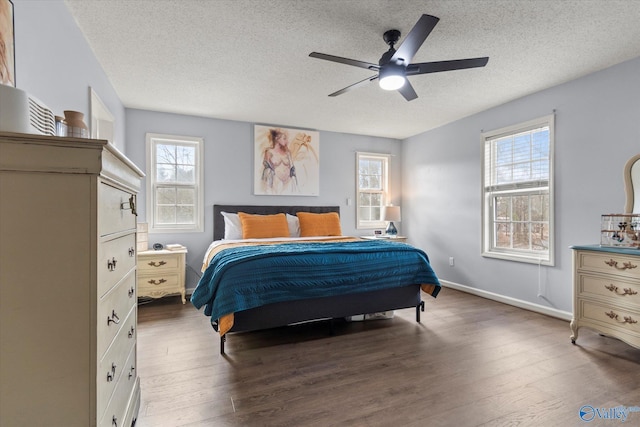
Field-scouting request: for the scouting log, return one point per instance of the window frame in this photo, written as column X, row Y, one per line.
column 532, row 187
column 152, row 140
column 385, row 158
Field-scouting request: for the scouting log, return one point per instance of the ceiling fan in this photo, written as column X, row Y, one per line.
column 394, row 66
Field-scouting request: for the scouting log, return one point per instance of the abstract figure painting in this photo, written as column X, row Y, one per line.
column 7, row 54
column 287, row 161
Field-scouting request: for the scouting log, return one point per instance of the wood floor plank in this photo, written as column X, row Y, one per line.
column 471, row 362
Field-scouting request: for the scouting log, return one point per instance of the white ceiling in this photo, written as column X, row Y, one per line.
column 248, row 60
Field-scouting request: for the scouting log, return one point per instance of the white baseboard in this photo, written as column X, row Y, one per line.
column 553, row 312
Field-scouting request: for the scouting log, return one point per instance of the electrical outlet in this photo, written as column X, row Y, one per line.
column 451, row 261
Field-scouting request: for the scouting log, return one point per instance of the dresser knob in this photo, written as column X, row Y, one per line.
column 156, row 282
column 131, row 372
column 625, row 291
column 109, row 377
column 131, row 331
column 132, row 252
column 131, row 292
column 114, row 421
column 111, row 264
column 625, row 265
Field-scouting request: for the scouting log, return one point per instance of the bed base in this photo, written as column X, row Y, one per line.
column 327, row 308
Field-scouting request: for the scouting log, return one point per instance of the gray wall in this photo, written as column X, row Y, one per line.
column 597, row 130
column 228, row 171
column 55, row 64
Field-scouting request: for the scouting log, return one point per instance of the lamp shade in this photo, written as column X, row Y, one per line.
column 391, row 213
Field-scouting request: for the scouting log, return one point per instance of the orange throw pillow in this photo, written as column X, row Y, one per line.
column 324, row 224
column 263, row 226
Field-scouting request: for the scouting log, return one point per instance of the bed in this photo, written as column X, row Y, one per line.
column 251, row 284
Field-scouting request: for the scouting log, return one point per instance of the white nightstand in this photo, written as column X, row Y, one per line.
column 391, row 239
column 161, row 273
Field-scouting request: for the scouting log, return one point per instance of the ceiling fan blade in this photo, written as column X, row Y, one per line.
column 355, row 85
column 339, row 59
column 436, row 67
column 415, row 38
column 407, row 91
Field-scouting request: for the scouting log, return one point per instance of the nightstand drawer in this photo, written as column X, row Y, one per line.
column 115, row 259
column 609, row 263
column 153, row 264
column 609, row 289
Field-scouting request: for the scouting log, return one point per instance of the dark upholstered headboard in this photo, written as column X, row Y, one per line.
column 218, row 219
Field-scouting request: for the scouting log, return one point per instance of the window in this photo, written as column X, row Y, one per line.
column 373, row 184
column 518, row 192
column 174, row 183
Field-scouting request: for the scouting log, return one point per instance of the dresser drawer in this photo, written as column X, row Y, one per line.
column 610, row 316
column 615, row 291
column 117, row 410
column 115, row 259
column 115, row 213
column 113, row 309
column 152, row 264
column 113, row 364
column 609, row 263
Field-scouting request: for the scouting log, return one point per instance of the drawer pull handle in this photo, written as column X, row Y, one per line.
column 131, row 372
column 131, row 331
column 614, row 316
column 131, row 205
column 157, row 264
column 626, row 291
column 111, row 374
column 114, row 421
column 614, row 264
column 156, row 282
column 114, row 318
column 132, row 252
column 131, row 292
column 111, row 264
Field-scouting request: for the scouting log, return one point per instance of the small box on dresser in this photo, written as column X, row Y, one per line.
column 162, row 273
column 606, row 292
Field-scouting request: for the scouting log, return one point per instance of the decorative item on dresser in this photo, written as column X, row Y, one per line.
column 606, row 283
column 162, row 272
column 68, row 318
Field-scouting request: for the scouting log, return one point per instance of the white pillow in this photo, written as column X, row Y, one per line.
column 294, row 225
column 232, row 226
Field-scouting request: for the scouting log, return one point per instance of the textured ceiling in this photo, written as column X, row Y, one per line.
column 248, row 60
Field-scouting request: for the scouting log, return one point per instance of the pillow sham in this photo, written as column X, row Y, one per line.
column 232, row 226
column 294, row 225
column 323, row 224
column 263, row 226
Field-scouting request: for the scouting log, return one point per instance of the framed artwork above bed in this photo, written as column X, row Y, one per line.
column 287, row 161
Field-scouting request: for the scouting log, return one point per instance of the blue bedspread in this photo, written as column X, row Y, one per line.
column 246, row 277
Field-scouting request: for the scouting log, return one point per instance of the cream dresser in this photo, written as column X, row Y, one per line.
column 606, row 283
column 161, row 273
column 67, row 283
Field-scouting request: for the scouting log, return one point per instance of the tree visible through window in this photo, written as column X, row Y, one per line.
column 517, row 188
column 174, row 190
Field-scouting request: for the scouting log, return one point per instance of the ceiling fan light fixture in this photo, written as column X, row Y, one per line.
column 392, row 77
column 392, row 82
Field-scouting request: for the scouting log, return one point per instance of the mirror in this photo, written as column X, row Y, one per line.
column 632, row 185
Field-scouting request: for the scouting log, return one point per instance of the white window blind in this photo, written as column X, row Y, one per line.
column 517, row 189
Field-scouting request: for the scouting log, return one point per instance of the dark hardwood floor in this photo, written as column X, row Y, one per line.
column 471, row 362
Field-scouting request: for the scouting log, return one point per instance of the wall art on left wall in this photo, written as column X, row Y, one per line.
column 7, row 44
